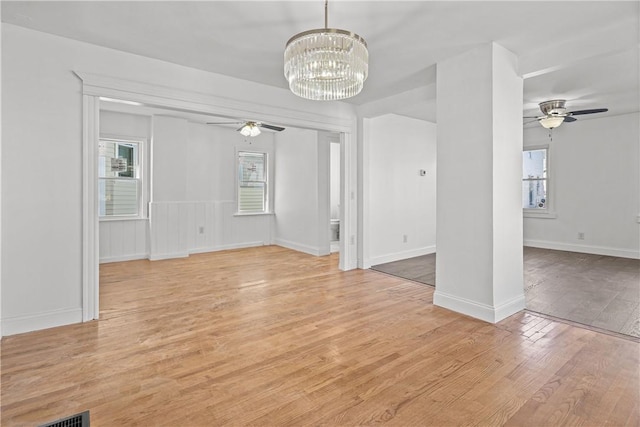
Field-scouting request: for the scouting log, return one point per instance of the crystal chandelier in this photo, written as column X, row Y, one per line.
column 326, row 64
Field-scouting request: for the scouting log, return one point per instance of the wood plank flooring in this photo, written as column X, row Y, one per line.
column 594, row 290
column 268, row 337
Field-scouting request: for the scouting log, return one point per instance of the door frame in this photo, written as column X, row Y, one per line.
column 96, row 86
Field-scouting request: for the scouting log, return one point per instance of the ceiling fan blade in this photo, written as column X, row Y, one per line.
column 530, row 121
column 592, row 111
column 224, row 123
column 569, row 119
column 276, row 128
column 531, row 117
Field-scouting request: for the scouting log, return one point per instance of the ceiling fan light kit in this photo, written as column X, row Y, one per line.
column 326, row 64
column 555, row 113
column 250, row 129
column 551, row 122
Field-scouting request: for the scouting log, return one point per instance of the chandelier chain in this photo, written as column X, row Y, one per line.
column 326, row 13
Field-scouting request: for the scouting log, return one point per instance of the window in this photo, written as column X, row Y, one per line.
column 535, row 179
column 119, row 178
column 252, row 182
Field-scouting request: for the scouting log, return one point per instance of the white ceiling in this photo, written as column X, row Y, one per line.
column 583, row 51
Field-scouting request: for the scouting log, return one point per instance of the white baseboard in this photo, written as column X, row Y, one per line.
column 586, row 249
column 121, row 258
column 159, row 257
column 510, row 307
column 479, row 310
column 298, row 247
column 38, row 321
column 226, row 247
column 397, row 256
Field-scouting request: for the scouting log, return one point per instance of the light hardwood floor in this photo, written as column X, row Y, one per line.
column 267, row 336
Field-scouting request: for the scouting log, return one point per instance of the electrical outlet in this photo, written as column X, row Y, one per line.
column 580, row 235
column 201, row 230
column 405, row 238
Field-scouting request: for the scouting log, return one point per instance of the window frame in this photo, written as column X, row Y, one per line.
column 141, row 177
column 266, row 181
column 547, row 211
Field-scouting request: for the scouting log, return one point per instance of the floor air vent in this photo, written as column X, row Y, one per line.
column 78, row 420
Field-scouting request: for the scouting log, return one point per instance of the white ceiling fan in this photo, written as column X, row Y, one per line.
column 555, row 113
column 249, row 127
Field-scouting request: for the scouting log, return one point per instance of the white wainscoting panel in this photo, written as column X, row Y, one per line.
column 168, row 230
column 201, row 226
column 123, row 240
column 178, row 229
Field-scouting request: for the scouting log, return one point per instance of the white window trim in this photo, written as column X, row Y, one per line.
column 547, row 212
column 144, row 178
column 267, row 171
column 252, row 213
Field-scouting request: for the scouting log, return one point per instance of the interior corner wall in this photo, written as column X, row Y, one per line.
column 194, row 190
column 42, row 160
column 212, row 223
column 401, row 201
column 297, row 198
column 595, row 182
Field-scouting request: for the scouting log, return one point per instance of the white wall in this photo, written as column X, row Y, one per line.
column 401, row 202
column 42, row 160
column 211, row 187
column 169, row 159
column 122, row 240
column 41, row 185
column 194, row 193
column 302, row 191
column 194, row 186
column 115, row 123
column 594, row 165
column 1, row 193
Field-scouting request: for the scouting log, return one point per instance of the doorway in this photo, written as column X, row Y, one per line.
column 334, row 193
column 146, row 95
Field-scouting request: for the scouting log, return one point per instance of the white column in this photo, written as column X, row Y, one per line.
column 479, row 268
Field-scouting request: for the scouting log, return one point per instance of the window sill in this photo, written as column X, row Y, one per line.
column 253, row 213
column 122, row 218
column 541, row 215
